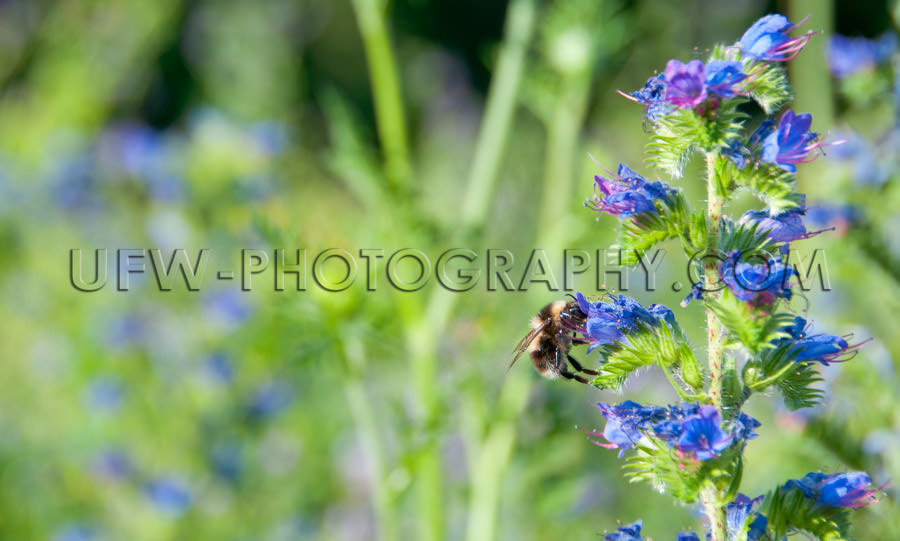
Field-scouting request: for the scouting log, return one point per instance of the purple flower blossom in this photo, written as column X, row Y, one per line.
column 702, row 434
column 631, row 532
column 685, row 83
column 767, row 39
column 737, row 514
column 737, row 153
column 791, row 143
column 847, row 56
column 723, row 76
column 627, row 194
column 759, row 284
column 853, row 489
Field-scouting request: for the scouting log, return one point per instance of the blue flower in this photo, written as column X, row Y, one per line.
column 702, row 434
column 737, row 153
column 76, row 532
column 609, row 322
column 627, row 194
column 737, row 514
column 781, row 228
column 687, row 536
column 269, row 400
column 169, row 495
column 862, row 156
column 111, row 464
column 652, row 97
column 624, row 423
column 685, row 83
column 767, row 39
column 631, row 532
column 791, row 143
column 823, row 348
column 847, row 56
column 839, row 217
column 759, row 284
column 853, row 489
column 722, row 77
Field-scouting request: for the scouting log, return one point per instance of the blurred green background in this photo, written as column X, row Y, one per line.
column 280, row 415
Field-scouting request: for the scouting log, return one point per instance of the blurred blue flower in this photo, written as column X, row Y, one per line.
column 685, row 83
column 839, row 217
column 847, row 55
column 73, row 185
column 759, row 284
column 76, row 532
column 111, row 464
column 631, row 532
column 170, row 495
column 862, row 156
column 105, row 394
column 227, row 308
column 853, row 489
column 226, row 460
column 269, row 400
column 271, row 136
column 219, row 368
column 767, row 39
column 140, row 152
column 791, row 143
column 702, row 434
column 687, row 536
column 737, row 514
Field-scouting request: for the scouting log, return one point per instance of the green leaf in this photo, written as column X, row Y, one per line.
column 797, row 387
column 773, row 185
column 673, row 137
column 754, row 330
column 639, row 233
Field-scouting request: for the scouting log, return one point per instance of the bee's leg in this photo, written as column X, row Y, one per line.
column 579, row 341
column 576, row 377
column 577, row 366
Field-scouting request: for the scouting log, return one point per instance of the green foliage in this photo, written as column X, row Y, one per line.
column 642, row 232
column 773, row 185
column 769, row 87
column 746, row 239
column 789, row 511
column 754, row 330
column 658, row 464
column 794, row 380
column 643, row 347
column 673, row 137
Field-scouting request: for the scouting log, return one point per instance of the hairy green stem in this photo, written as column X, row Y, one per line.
column 711, row 496
column 714, row 328
column 391, row 123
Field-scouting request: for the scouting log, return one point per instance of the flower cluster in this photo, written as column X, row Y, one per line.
column 847, row 56
column 610, row 322
column 741, row 511
column 627, row 194
column 759, row 284
column 693, row 430
column 853, row 489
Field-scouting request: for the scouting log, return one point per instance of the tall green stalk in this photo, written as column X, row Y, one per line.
column 391, row 122
column 711, row 497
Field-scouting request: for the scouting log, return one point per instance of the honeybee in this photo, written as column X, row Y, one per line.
column 551, row 337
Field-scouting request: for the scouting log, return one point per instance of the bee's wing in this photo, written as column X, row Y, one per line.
column 525, row 342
